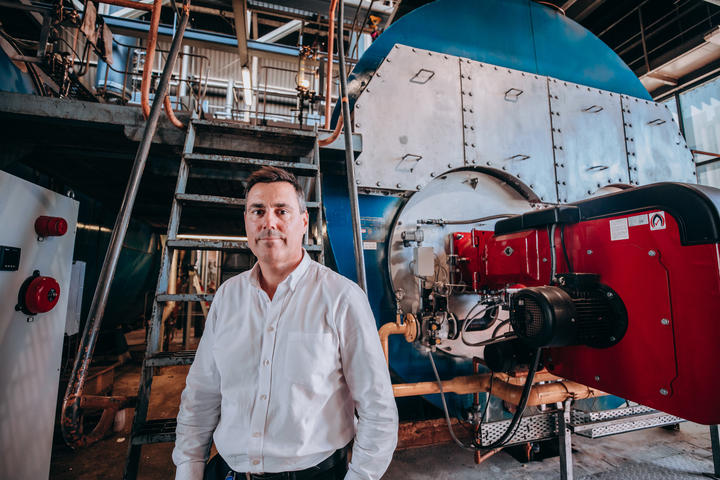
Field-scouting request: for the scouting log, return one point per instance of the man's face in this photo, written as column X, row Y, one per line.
column 274, row 224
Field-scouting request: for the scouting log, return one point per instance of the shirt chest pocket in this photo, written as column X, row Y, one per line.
column 311, row 359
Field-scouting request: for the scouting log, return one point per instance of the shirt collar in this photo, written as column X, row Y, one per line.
column 291, row 280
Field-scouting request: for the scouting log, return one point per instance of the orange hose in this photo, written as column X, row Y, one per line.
column 171, row 114
column 147, row 68
column 323, row 142
column 331, row 44
column 150, row 57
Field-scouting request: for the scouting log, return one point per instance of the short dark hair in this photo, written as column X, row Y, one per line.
column 274, row 174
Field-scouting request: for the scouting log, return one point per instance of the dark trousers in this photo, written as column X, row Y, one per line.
column 218, row 469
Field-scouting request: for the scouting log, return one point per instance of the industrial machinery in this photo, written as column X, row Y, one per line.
column 36, row 248
column 524, row 203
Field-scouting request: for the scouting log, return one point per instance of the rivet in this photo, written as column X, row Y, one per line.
column 357, row 125
column 663, row 391
column 417, row 187
column 597, row 378
column 665, row 321
column 357, row 162
column 432, row 174
column 398, row 185
column 377, row 183
column 589, row 252
column 449, row 165
column 652, row 253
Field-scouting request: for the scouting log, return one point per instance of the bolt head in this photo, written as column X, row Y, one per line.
column 665, row 321
column 652, row 253
column 663, row 391
column 597, row 378
column 589, row 252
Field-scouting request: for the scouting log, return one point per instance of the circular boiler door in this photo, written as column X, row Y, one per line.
column 459, row 197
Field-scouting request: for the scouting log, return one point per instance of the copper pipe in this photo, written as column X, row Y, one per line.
column 328, row 74
column 481, row 458
column 409, row 329
column 150, row 57
column 129, row 4
column 323, row 142
column 502, row 388
column 171, row 115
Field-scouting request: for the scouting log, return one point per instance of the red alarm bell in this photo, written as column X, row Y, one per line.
column 50, row 226
column 38, row 294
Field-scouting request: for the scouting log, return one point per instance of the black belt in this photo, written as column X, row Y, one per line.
column 336, row 458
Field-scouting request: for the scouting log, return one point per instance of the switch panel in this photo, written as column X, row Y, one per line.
column 9, row 258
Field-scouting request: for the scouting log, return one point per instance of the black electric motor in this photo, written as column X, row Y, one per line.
column 578, row 311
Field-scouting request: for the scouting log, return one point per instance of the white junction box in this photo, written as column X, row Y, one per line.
column 424, row 261
column 35, row 276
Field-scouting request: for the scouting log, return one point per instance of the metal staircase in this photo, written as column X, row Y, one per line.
column 217, row 145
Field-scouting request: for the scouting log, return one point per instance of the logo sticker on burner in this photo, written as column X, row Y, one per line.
column 657, row 221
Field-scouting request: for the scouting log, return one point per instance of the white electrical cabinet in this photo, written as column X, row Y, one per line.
column 35, row 273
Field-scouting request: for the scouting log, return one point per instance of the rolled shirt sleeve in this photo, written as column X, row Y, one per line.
column 368, row 379
column 199, row 407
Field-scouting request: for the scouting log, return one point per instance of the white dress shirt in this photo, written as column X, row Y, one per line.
column 278, row 381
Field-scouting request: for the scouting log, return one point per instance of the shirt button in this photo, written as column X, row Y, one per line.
column 256, row 462
column 263, row 397
column 266, row 362
column 256, row 434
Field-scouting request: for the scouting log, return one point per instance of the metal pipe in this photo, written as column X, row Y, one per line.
column 328, row 74
column 503, row 388
column 129, row 4
column 349, row 161
column 171, row 114
column 409, row 329
column 71, row 418
column 323, row 142
column 149, row 58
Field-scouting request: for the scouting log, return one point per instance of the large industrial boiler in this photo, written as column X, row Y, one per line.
column 527, row 209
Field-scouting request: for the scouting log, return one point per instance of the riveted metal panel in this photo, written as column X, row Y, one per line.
column 410, row 119
column 657, row 151
column 506, row 123
column 588, row 139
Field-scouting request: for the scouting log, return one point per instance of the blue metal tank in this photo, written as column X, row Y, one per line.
column 517, row 34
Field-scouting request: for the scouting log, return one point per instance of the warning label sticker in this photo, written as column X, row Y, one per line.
column 657, row 220
column 619, row 229
column 369, row 245
column 638, row 220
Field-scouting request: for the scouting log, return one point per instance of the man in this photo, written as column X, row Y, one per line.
column 290, row 351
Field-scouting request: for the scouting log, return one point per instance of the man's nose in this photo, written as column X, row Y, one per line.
column 270, row 221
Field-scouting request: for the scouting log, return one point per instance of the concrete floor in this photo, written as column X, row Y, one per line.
column 650, row 454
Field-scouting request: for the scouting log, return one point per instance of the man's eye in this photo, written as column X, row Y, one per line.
column 256, row 212
column 282, row 211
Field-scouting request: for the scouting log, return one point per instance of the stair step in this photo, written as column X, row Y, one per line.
column 185, row 297
column 300, row 168
column 224, row 245
column 255, row 130
column 166, row 359
column 156, row 431
column 195, row 199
